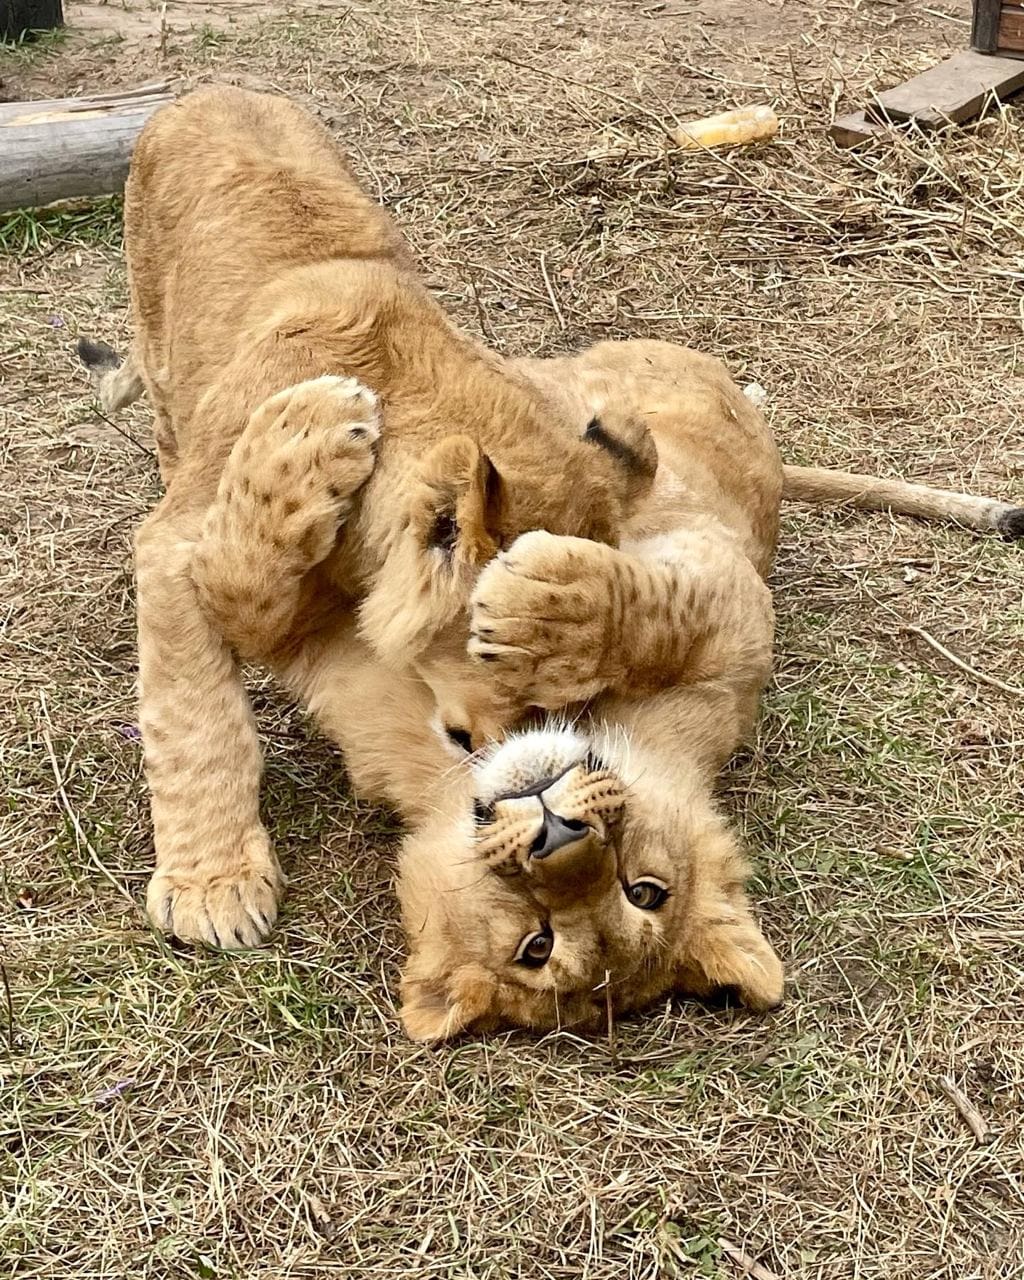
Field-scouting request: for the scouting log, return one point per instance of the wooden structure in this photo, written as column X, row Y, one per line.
column 18, row 17
column 998, row 27
column 71, row 147
column 956, row 90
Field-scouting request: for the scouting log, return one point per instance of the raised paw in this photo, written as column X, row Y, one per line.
column 231, row 902
column 545, row 618
column 305, row 454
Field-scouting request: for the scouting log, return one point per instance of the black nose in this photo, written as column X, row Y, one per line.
column 556, row 833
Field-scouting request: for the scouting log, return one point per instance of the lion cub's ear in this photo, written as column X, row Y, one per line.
column 438, row 1008
column 630, row 445
column 722, row 944
column 458, row 509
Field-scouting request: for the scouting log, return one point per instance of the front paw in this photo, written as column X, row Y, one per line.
column 224, row 900
column 295, row 472
column 544, row 618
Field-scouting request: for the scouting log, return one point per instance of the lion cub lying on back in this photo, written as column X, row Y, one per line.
column 580, row 869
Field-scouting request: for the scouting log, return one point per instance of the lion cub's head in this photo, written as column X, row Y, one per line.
column 573, row 880
column 519, row 461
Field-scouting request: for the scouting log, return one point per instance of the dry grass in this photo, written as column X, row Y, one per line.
column 260, row 1116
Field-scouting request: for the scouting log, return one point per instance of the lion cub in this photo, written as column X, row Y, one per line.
column 334, row 452
column 580, row 869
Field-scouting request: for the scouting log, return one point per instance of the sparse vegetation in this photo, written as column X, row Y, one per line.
column 35, row 231
column 259, row 1116
column 31, row 47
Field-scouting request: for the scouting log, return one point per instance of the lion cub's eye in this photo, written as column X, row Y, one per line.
column 459, row 738
column 648, row 895
column 535, row 949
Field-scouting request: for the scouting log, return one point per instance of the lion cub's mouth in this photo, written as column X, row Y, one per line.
column 528, row 763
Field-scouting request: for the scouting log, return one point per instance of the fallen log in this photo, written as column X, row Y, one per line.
column 67, row 148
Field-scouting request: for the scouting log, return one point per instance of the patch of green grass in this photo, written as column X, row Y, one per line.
column 209, row 37
column 33, row 46
column 686, row 1249
column 92, row 222
column 684, row 1244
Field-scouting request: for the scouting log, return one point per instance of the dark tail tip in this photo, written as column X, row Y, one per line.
column 1011, row 524
column 97, row 356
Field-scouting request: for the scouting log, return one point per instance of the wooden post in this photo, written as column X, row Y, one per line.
column 985, row 25
column 18, row 17
column 71, row 147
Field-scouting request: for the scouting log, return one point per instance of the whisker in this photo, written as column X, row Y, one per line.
column 630, row 784
column 474, row 884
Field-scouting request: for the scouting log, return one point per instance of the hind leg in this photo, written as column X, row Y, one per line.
column 287, row 487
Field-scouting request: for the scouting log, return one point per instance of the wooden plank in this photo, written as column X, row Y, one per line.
column 66, row 148
column 1011, row 28
column 985, row 25
column 855, row 129
column 955, row 90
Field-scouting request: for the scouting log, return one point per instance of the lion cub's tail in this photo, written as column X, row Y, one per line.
column 117, row 381
column 825, row 488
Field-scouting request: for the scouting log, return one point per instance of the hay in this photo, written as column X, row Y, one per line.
column 261, row 1116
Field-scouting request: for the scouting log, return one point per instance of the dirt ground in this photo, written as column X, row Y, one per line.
column 261, row 1116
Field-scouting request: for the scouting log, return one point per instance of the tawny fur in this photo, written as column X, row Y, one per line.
column 659, row 648
column 267, row 293
column 341, row 463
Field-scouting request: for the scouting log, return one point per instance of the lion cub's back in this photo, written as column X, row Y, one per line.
column 227, row 191
column 257, row 174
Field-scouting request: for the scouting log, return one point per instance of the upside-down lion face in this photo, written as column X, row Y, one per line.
column 570, row 885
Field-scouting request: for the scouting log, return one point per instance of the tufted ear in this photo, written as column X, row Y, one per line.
column 439, row 1008
column 630, row 445
column 459, row 505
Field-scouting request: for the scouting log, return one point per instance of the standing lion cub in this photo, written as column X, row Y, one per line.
column 335, row 453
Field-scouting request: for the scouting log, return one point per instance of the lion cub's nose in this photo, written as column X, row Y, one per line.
column 555, row 833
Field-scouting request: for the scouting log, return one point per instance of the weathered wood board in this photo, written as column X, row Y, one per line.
column 955, row 90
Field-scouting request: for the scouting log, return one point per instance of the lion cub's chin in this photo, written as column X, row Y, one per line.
column 574, row 878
